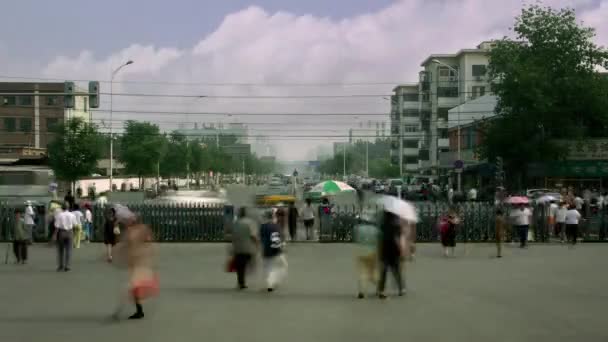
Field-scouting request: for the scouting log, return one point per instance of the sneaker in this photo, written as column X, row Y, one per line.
column 137, row 315
column 67, row 269
column 270, row 289
column 360, row 296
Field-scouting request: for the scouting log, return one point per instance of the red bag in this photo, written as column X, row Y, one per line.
column 231, row 265
column 444, row 225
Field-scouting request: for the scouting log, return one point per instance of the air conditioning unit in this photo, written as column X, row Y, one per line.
column 478, row 78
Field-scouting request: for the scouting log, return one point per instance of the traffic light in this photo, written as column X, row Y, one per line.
column 94, row 94
column 68, row 97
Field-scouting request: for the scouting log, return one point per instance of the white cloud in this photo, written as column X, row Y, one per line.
column 254, row 45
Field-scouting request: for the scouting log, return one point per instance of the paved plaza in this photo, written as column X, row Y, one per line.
column 545, row 293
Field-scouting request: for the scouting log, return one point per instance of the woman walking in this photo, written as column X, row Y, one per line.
column 110, row 232
column 21, row 235
column 308, row 216
column 572, row 219
column 448, row 232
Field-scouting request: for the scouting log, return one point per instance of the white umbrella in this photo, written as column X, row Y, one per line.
column 399, row 207
column 546, row 199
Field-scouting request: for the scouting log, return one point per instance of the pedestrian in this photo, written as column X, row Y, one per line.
column 30, row 221
column 244, row 246
column 138, row 250
column 451, row 195
column 501, row 227
column 69, row 199
column 88, row 222
column 552, row 209
column 573, row 217
column 447, row 229
column 292, row 218
column 21, row 238
column 308, row 215
column 391, row 251
column 78, row 225
column 274, row 261
column 560, row 221
column 366, row 258
column 280, row 217
column 521, row 218
column 111, row 231
column 64, row 236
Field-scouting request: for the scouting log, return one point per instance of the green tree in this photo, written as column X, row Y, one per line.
column 142, row 146
column 548, row 88
column 176, row 157
column 75, row 151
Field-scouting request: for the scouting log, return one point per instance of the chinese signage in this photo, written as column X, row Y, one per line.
column 590, row 149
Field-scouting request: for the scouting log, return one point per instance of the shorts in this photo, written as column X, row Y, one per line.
column 145, row 288
column 309, row 223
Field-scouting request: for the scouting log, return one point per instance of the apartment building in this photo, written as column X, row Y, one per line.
column 420, row 111
column 27, row 121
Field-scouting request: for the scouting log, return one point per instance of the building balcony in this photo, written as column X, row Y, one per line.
column 443, row 101
column 410, row 152
column 443, row 143
column 411, row 167
column 442, row 123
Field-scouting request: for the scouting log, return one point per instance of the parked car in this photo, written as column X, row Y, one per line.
column 379, row 188
column 393, row 185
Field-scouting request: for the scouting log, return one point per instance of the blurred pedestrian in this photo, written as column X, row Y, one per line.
column 78, row 225
column 552, row 215
column 447, row 230
column 501, row 227
column 521, row 219
column 64, row 237
column 560, row 221
column 244, row 245
column 111, row 231
column 30, row 221
column 88, row 222
column 21, row 238
column 391, row 251
column 308, row 215
column 573, row 217
column 274, row 261
column 139, row 252
column 366, row 258
column 69, row 199
column 281, row 219
column 292, row 217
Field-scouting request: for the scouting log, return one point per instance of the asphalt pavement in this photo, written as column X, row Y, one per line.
column 544, row 293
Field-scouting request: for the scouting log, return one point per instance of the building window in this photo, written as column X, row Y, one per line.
column 478, row 91
column 442, row 113
column 52, row 100
column 410, row 160
column 25, row 124
column 442, row 133
column 479, row 70
column 25, row 100
column 86, row 104
column 411, row 113
column 447, row 91
column 411, row 97
column 9, row 100
column 51, row 124
column 447, row 74
column 410, row 143
column 10, row 124
column 410, row 128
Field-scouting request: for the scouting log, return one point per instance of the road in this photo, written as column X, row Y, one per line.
column 545, row 293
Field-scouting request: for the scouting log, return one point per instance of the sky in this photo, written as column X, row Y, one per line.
column 231, row 50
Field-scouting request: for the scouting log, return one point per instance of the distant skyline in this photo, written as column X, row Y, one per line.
column 261, row 42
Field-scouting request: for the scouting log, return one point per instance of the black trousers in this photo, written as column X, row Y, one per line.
column 240, row 262
column 572, row 233
column 394, row 264
column 523, row 235
column 20, row 250
column 293, row 230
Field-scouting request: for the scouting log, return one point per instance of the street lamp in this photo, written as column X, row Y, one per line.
column 114, row 72
column 459, row 151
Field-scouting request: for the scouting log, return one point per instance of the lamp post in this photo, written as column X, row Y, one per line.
column 459, row 150
column 114, row 72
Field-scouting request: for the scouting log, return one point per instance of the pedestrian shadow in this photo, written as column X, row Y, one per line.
column 55, row 319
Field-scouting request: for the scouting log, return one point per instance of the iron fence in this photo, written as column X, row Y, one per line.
column 191, row 222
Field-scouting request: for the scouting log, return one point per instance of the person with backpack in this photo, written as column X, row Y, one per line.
column 273, row 259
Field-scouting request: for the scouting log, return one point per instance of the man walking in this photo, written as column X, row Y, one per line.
column 21, row 236
column 30, row 222
column 244, row 245
column 275, row 264
column 64, row 236
column 522, row 222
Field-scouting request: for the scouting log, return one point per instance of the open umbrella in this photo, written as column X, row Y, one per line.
column 399, row 207
column 330, row 188
column 517, row 200
column 547, row 199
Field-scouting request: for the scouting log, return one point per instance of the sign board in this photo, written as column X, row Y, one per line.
column 587, row 149
column 314, row 163
column 238, row 150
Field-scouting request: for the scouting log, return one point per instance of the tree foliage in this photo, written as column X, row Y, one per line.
column 547, row 87
column 379, row 160
column 141, row 148
column 75, row 150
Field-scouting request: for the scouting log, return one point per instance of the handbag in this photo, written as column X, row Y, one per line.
column 116, row 230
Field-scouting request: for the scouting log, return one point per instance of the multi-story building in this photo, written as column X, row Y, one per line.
column 368, row 131
column 26, row 121
column 421, row 110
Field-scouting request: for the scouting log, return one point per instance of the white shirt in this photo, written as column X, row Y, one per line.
column 578, row 202
column 560, row 217
column 521, row 217
column 65, row 220
column 79, row 217
column 553, row 208
column 29, row 215
column 88, row 216
column 572, row 216
column 473, row 194
column 307, row 213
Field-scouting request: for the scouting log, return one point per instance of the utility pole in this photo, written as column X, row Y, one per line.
column 114, row 72
column 400, row 113
column 367, row 158
column 344, row 164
